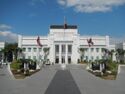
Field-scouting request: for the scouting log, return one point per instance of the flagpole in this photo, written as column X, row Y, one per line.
column 63, row 66
column 38, row 58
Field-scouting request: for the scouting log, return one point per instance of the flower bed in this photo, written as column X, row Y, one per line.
column 18, row 70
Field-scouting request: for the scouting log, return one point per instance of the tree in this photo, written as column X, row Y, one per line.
column 11, row 51
column 19, row 52
column 120, row 55
column 104, row 50
column 11, row 48
column 81, row 51
column 107, row 54
column 111, row 54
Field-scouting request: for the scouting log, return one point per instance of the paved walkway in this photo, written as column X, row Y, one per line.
column 36, row 84
column 53, row 80
column 63, row 83
column 89, row 84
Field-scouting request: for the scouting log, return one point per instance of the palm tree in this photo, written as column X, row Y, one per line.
column 111, row 54
column 81, row 51
column 11, row 48
column 19, row 52
column 4, row 54
column 120, row 54
column 105, row 53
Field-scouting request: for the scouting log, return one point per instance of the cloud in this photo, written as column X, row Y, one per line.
column 5, row 27
column 91, row 6
column 6, row 34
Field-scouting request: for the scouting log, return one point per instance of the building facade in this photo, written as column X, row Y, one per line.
column 2, row 45
column 64, row 44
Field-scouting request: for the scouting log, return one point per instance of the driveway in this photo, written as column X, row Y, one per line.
column 53, row 80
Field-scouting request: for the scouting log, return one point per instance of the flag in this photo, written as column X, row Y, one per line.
column 65, row 26
column 38, row 42
column 90, row 42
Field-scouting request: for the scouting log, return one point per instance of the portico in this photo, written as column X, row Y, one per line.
column 63, row 52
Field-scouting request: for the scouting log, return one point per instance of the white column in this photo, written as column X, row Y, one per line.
column 60, row 52
column 66, row 54
column 32, row 51
column 37, row 53
column 89, row 54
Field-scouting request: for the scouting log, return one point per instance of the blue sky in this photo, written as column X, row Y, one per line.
column 33, row 17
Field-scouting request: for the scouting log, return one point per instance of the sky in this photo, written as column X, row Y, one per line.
column 33, row 17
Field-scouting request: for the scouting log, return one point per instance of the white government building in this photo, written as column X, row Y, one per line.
column 64, row 43
column 2, row 45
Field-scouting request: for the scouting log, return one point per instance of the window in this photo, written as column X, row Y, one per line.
column 97, row 57
column 86, row 57
column 24, row 49
column 97, row 49
column 34, row 57
column 63, row 59
column 102, row 49
column 29, row 49
column 63, row 49
column 103, row 57
column 29, row 57
column 69, row 59
column 57, row 48
column 92, row 49
column 40, row 49
column 92, row 58
column 34, row 49
column 57, row 59
column 86, row 49
column 70, row 49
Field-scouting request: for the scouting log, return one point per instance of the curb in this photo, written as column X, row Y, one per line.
column 119, row 68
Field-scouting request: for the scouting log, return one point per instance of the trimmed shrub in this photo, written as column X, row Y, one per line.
column 15, row 65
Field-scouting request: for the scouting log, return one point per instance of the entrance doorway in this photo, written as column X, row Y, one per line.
column 63, row 59
column 57, row 60
column 69, row 59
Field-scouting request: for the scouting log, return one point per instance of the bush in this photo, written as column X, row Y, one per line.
column 112, row 67
column 15, row 65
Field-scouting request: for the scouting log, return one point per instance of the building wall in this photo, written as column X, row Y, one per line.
column 2, row 45
column 95, row 51
column 64, row 37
